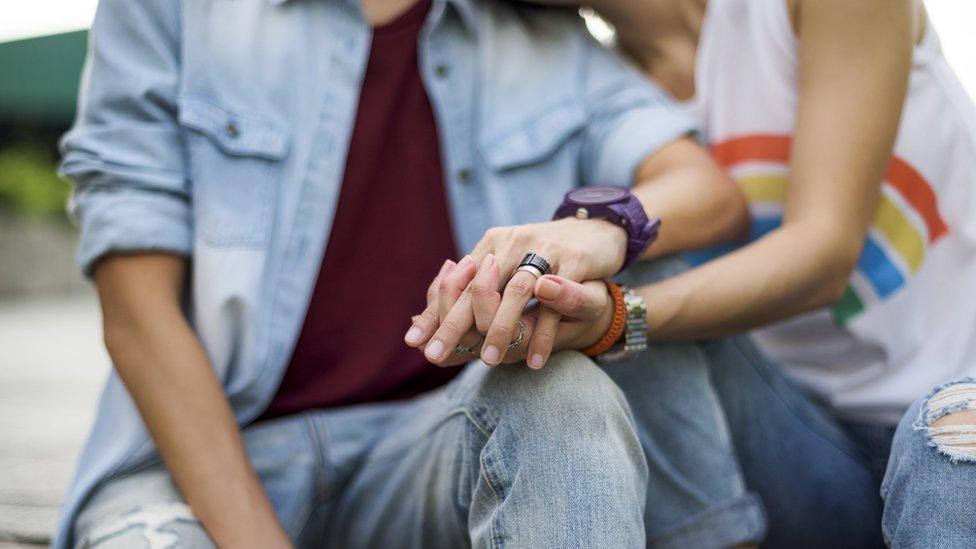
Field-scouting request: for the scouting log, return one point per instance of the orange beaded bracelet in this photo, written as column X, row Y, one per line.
column 617, row 326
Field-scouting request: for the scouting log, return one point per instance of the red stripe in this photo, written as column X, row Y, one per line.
column 900, row 175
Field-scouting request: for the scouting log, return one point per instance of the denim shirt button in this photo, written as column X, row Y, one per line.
column 441, row 71
column 232, row 130
column 464, row 175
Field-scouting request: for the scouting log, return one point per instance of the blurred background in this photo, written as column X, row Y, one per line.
column 51, row 359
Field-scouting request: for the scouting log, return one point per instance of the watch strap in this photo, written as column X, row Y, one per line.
column 635, row 333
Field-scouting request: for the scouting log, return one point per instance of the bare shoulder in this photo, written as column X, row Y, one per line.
column 918, row 6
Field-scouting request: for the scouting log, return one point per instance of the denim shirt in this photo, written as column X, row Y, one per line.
column 218, row 131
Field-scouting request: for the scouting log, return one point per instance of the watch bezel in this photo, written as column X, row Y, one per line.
column 616, row 195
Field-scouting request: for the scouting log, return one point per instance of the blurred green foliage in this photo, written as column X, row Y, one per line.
column 29, row 184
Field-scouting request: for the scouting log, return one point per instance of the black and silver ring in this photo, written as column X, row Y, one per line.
column 534, row 264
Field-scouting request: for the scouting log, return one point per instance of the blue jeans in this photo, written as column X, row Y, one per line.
column 829, row 483
column 502, row 457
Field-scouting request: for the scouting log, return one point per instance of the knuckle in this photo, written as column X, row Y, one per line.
column 519, row 236
column 571, row 258
column 483, row 325
column 428, row 316
column 480, row 291
column 450, row 326
column 521, row 286
column 544, row 331
column 576, row 302
column 502, row 333
column 446, row 287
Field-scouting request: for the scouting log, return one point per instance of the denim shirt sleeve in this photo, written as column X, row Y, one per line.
column 629, row 118
column 125, row 153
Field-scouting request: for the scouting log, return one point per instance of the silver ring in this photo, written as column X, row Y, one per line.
column 464, row 350
column 518, row 338
column 531, row 269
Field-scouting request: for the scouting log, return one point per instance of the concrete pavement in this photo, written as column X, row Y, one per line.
column 52, row 365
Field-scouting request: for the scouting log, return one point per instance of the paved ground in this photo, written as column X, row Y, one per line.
column 51, row 369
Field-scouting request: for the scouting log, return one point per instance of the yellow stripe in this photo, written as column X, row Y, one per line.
column 900, row 233
column 898, row 230
column 764, row 188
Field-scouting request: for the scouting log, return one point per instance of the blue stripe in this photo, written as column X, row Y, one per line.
column 763, row 226
column 760, row 228
column 874, row 263
column 880, row 271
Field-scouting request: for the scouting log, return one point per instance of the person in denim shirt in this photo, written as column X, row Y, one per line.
column 211, row 156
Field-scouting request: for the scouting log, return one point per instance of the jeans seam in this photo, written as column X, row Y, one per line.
column 321, row 490
column 495, row 538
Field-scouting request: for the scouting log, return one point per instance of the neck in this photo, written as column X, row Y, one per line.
column 380, row 12
column 660, row 36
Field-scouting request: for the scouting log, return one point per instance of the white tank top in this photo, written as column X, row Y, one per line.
column 908, row 319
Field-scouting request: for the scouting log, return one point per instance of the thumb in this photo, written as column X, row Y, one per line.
column 572, row 299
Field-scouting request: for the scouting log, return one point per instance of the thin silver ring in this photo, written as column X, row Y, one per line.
column 518, row 338
column 532, row 270
column 472, row 350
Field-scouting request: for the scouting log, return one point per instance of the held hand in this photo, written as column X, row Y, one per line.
column 586, row 312
column 576, row 250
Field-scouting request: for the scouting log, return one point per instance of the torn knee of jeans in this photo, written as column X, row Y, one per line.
column 151, row 521
column 948, row 416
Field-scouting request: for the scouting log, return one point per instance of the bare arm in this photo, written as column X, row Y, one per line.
column 855, row 59
column 698, row 204
column 170, row 378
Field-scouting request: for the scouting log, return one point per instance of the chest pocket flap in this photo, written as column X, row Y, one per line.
column 236, row 168
column 234, row 133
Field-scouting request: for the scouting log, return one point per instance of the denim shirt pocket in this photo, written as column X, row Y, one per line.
column 535, row 139
column 235, row 166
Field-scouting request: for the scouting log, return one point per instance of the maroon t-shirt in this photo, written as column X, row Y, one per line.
column 390, row 236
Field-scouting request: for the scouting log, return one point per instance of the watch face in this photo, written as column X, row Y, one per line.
column 589, row 196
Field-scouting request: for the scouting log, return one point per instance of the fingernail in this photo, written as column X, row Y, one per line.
column 413, row 335
column 435, row 349
column 536, row 361
column 487, row 261
column 547, row 288
column 465, row 261
column 491, row 354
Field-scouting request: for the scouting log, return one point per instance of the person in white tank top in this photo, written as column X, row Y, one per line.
column 855, row 145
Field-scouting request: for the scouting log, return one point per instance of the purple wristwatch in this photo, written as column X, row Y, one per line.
column 618, row 206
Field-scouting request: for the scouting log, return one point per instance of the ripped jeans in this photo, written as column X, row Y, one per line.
column 820, row 478
column 633, row 454
column 569, row 456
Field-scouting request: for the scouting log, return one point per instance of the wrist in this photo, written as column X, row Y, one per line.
column 606, row 246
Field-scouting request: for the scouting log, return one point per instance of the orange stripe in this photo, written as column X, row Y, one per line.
column 900, row 175
column 919, row 194
column 769, row 148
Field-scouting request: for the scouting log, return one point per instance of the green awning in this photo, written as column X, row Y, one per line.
column 39, row 78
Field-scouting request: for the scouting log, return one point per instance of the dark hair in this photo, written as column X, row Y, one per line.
column 526, row 10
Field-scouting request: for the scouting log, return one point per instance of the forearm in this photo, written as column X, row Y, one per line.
column 791, row 271
column 698, row 204
column 181, row 401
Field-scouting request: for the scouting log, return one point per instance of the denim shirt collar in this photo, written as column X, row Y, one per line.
column 464, row 8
